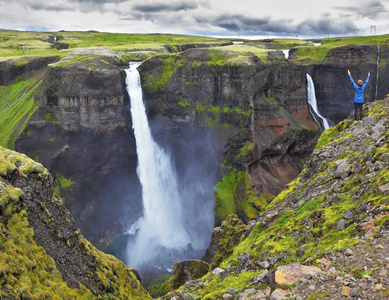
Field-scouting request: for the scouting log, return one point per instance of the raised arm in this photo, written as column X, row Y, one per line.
column 351, row 79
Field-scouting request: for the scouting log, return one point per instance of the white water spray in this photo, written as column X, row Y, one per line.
column 161, row 225
column 378, row 68
column 312, row 102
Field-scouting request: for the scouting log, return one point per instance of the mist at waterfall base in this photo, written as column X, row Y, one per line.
column 177, row 175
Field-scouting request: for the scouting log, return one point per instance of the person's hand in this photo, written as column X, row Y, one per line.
column 368, row 74
column 348, row 71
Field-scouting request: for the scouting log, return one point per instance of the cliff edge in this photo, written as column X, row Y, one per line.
column 43, row 254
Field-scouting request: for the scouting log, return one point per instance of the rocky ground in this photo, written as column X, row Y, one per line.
column 369, row 259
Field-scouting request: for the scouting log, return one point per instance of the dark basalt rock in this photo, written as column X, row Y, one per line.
column 11, row 70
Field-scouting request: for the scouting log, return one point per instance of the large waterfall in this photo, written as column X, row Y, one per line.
column 312, row 102
column 162, row 225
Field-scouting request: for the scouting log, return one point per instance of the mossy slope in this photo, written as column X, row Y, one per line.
column 27, row 271
column 348, row 171
column 17, row 105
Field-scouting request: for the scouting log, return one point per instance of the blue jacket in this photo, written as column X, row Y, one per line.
column 358, row 98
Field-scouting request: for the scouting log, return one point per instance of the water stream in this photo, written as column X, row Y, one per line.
column 312, row 102
column 162, row 226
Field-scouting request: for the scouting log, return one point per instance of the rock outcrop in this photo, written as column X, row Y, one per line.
column 43, row 252
column 11, row 70
column 187, row 270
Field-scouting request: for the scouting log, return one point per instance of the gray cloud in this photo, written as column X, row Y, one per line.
column 50, row 7
column 165, row 7
column 240, row 23
column 98, row 1
column 366, row 9
column 211, row 17
column 69, row 5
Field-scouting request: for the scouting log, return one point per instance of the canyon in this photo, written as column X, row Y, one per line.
column 231, row 118
column 252, row 116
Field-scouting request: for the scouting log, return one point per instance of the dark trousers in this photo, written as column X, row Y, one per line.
column 358, row 108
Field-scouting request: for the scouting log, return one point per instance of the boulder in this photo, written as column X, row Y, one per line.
column 245, row 263
column 289, row 274
column 279, row 294
column 342, row 168
column 187, row 271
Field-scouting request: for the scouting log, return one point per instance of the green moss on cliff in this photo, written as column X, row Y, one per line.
column 158, row 287
column 158, row 79
column 225, row 118
column 17, row 105
column 61, row 183
column 11, row 161
column 247, row 147
column 231, row 232
column 207, row 116
column 235, row 194
column 26, row 270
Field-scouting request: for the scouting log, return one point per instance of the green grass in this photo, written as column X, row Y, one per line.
column 241, row 54
column 16, row 107
column 317, row 54
column 19, row 44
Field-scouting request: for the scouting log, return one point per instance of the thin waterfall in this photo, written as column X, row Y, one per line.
column 378, row 68
column 286, row 53
column 162, row 225
column 312, row 102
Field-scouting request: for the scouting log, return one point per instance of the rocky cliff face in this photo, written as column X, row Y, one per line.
column 43, row 252
column 82, row 133
column 262, row 104
column 11, row 70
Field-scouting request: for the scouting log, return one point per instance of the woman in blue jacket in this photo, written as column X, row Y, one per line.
column 358, row 98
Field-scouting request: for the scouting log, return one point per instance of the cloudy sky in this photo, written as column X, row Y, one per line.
column 305, row 18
